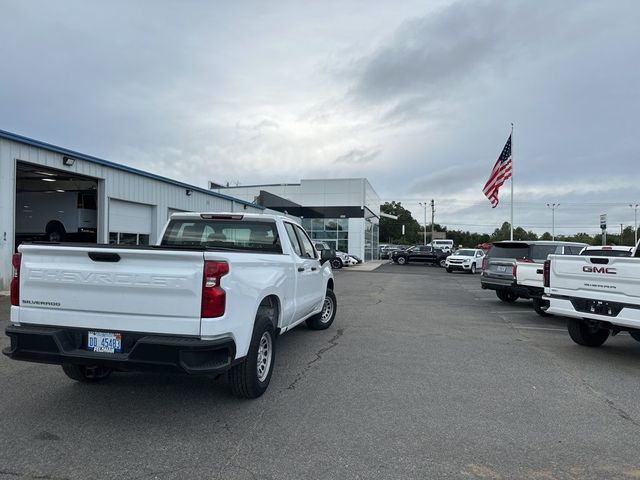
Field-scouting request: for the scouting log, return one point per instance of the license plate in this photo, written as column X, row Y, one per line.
column 501, row 268
column 105, row 342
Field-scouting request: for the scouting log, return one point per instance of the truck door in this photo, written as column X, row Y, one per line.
column 310, row 291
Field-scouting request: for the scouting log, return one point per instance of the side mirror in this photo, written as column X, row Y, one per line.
column 326, row 255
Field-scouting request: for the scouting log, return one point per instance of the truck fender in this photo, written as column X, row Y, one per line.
column 272, row 307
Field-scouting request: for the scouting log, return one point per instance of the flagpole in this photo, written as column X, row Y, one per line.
column 512, row 162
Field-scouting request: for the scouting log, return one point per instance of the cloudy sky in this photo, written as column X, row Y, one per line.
column 417, row 96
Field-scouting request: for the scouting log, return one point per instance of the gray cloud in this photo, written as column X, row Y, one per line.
column 357, row 156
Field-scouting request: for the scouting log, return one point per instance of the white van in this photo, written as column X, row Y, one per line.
column 442, row 244
column 55, row 214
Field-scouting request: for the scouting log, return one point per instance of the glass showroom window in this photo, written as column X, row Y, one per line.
column 334, row 231
column 128, row 238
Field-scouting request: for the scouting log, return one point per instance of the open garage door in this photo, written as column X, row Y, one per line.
column 54, row 205
column 129, row 223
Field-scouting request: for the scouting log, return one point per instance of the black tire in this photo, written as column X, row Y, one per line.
column 540, row 306
column 244, row 378
column 442, row 262
column 86, row 374
column 506, row 296
column 449, row 269
column 635, row 336
column 336, row 263
column 472, row 271
column 401, row 260
column 587, row 333
column 55, row 236
column 324, row 319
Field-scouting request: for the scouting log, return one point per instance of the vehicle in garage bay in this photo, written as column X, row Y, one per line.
column 599, row 294
column 513, row 269
column 465, row 259
column 211, row 297
column 420, row 254
column 54, row 215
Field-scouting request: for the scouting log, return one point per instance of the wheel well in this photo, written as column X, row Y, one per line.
column 270, row 306
column 330, row 284
column 54, row 226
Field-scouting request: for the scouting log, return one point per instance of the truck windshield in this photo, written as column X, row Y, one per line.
column 224, row 234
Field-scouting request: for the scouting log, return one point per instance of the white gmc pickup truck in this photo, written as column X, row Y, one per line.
column 600, row 295
column 211, row 297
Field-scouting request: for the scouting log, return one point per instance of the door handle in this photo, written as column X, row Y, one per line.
column 313, row 269
column 104, row 256
column 301, row 269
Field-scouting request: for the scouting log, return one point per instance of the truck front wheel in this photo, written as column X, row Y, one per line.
column 86, row 374
column 251, row 377
column 336, row 263
column 324, row 319
column 587, row 333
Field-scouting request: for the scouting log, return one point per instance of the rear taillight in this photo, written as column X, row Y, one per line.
column 514, row 270
column 213, row 296
column 546, row 273
column 485, row 263
column 15, row 280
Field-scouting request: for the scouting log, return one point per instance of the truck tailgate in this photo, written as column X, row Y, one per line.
column 596, row 277
column 529, row 274
column 145, row 290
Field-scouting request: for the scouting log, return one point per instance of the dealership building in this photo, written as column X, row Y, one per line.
column 52, row 193
column 342, row 212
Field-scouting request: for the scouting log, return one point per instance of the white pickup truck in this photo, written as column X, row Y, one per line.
column 211, row 297
column 600, row 295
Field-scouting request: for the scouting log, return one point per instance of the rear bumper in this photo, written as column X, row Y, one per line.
column 56, row 345
column 506, row 285
column 628, row 316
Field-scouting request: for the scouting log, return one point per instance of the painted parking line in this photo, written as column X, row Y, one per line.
column 540, row 328
column 509, row 312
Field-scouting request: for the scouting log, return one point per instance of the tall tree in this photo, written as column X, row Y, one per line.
column 391, row 230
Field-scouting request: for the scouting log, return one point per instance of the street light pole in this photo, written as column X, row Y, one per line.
column 424, row 205
column 553, row 207
column 635, row 223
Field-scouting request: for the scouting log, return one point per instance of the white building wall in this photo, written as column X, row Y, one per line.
column 356, row 237
column 113, row 183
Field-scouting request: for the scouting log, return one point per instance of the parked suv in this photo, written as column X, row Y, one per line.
column 500, row 266
column 420, row 254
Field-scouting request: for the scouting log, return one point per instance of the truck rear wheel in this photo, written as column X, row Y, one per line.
column 506, row 296
column 324, row 319
column 587, row 333
column 251, row 377
column 635, row 336
column 86, row 374
column 541, row 306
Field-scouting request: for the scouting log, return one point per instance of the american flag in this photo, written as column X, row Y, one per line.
column 500, row 173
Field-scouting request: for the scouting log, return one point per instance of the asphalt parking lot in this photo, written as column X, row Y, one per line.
column 423, row 375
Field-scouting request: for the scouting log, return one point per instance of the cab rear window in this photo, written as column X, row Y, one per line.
column 223, row 234
column 607, row 253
